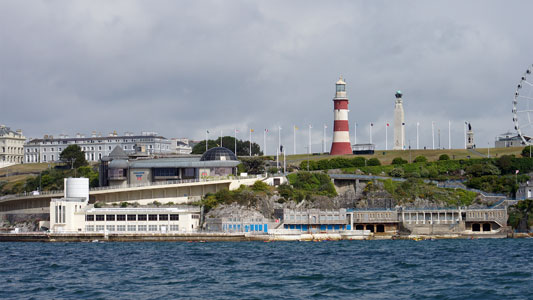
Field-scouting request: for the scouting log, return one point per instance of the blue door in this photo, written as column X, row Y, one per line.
column 245, row 228
column 266, row 227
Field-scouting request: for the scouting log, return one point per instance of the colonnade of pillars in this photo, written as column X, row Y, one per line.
column 423, row 217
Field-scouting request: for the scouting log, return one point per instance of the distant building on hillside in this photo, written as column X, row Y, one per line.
column 363, row 148
column 11, row 146
column 118, row 169
column 181, row 145
column 97, row 146
column 508, row 139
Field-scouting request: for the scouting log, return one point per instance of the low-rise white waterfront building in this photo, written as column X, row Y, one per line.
column 73, row 214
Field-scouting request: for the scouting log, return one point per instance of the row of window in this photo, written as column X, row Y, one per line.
column 12, row 150
column 92, row 228
column 142, row 217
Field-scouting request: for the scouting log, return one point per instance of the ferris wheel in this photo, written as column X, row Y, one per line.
column 523, row 107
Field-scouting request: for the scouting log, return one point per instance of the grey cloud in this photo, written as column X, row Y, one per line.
column 180, row 68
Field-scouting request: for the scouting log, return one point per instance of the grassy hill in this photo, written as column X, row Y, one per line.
column 386, row 156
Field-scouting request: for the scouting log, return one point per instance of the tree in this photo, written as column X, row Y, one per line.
column 444, row 157
column 527, row 151
column 243, row 147
column 420, row 159
column 74, row 156
column 505, row 163
column 253, row 165
column 374, row 162
column 399, row 161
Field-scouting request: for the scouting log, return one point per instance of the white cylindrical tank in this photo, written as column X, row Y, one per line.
column 77, row 188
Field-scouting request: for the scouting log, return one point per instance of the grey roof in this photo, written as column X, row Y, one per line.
column 185, row 162
column 98, row 138
column 118, row 153
column 6, row 131
column 118, row 164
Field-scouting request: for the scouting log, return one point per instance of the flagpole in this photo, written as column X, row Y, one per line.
column 324, row 140
column 355, row 134
column 449, row 134
column 417, row 145
column 235, row 141
column 250, row 142
column 279, row 149
column 310, row 139
column 433, row 134
column 221, row 138
column 206, row 139
column 386, row 136
column 264, row 142
column 294, row 139
column 464, row 127
column 371, row 132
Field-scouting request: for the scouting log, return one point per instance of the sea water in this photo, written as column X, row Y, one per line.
column 437, row 269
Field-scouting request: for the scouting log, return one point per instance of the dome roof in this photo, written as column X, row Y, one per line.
column 218, row 153
column 340, row 81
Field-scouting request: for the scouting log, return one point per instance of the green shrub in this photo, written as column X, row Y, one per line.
column 260, row 186
column 527, row 151
column 374, row 162
column 444, row 157
column 420, row 159
column 396, row 172
column 398, row 161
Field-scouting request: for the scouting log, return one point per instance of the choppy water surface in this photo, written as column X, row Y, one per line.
column 443, row 269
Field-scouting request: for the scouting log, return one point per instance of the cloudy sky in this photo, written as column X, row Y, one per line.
column 183, row 67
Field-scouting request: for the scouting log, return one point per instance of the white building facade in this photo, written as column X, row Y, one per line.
column 11, row 146
column 95, row 147
column 73, row 214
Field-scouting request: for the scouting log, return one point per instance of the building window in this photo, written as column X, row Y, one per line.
column 132, row 217
column 99, row 217
column 152, row 227
column 99, row 227
column 142, row 227
column 152, row 217
column 89, row 218
column 132, row 228
column 110, row 217
column 89, row 228
column 109, row 148
column 141, row 218
column 195, row 216
column 174, row 227
column 121, row 227
column 163, row 217
column 110, row 227
column 44, row 157
column 174, row 217
column 121, row 217
column 100, row 148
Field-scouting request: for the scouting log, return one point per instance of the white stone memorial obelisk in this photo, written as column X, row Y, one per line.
column 399, row 123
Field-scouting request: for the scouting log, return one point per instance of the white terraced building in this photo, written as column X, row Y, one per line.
column 73, row 214
column 95, row 147
column 11, row 146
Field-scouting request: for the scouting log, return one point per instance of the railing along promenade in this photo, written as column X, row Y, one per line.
column 137, row 185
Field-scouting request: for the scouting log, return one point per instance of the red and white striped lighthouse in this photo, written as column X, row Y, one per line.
column 341, row 128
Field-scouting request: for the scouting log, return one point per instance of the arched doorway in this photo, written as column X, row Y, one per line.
column 476, row 227
column 380, row 228
column 370, row 227
column 359, row 227
column 486, row 226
